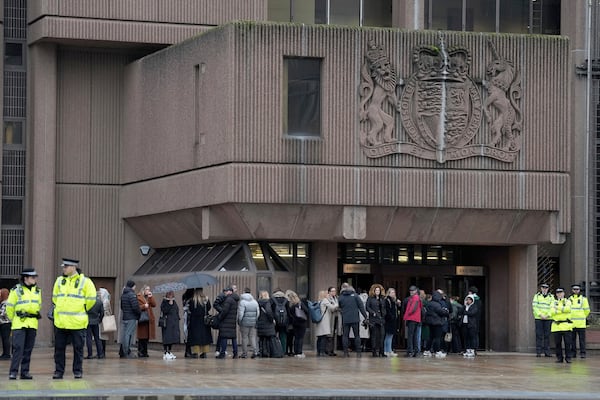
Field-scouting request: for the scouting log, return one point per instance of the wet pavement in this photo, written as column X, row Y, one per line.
column 488, row 376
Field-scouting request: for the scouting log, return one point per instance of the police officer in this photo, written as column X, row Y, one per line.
column 580, row 309
column 542, row 301
column 561, row 325
column 72, row 295
column 23, row 309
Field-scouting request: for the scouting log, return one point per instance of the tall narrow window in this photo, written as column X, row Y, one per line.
column 303, row 85
column 13, row 133
column 344, row 12
column 377, row 13
column 12, row 211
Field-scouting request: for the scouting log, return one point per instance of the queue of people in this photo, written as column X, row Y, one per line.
column 273, row 325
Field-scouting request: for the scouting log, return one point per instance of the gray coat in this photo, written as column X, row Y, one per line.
column 248, row 310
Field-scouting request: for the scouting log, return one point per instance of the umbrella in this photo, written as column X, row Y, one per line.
column 169, row 287
column 198, row 280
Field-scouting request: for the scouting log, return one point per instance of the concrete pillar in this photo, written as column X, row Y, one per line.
column 323, row 273
column 41, row 164
column 522, row 278
column 323, row 269
column 580, row 251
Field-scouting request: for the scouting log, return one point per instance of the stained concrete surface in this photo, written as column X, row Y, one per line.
column 488, row 376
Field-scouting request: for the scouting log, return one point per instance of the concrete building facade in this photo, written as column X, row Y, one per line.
column 305, row 154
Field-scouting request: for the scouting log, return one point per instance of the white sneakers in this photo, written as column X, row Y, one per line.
column 470, row 353
column 169, row 356
column 391, row 354
column 300, row 355
column 437, row 354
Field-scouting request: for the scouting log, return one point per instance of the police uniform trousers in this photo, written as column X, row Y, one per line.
column 61, row 338
column 23, row 341
column 578, row 332
column 559, row 336
column 542, row 336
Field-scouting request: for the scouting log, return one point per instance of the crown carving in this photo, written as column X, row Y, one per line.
column 438, row 64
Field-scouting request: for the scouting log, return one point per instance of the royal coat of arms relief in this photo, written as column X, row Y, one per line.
column 440, row 106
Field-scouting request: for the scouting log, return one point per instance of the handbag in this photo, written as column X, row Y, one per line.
column 144, row 317
column 448, row 337
column 162, row 321
column 109, row 324
column 209, row 320
column 299, row 313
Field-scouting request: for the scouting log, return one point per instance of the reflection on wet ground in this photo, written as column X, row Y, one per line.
column 488, row 376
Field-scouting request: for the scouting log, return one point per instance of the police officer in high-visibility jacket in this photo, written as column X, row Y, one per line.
column 72, row 296
column 541, row 303
column 23, row 309
column 580, row 309
column 561, row 325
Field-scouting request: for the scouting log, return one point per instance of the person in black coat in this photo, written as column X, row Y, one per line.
column 350, row 306
column 227, row 320
column 265, row 325
column 170, row 333
column 199, row 333
column 130, row 313
column 470, row 325
column 376, row 309
column 218, row 306
column 436, row 313
column 299, row 315
column 391, row 322
column 95, row 315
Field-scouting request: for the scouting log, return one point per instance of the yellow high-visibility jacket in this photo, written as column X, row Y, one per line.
column 580, row 309
column 541, row 305
column 27, row 301
column 561, row 315
column 72, row 297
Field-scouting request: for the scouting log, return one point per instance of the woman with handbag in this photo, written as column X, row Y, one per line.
column 108, row 324
column 145, row 328
column 299, row 317
column 170, row 331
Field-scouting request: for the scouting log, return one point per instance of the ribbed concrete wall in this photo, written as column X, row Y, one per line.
column 91, row 84
column 541, row 60
column 135, row 21
column 88, row 227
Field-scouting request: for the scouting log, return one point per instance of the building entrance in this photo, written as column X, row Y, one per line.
column 415, row 265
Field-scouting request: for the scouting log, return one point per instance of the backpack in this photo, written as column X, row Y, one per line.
column 315, row 311
column 281, row 313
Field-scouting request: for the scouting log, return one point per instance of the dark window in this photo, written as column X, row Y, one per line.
column 344, row 12
column 13, row 54
column 12, row 212
column 377, row 13
column 518, row 16
column 303, row 84
column 514, row 16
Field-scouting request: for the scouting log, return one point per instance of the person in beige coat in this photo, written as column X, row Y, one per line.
column 325, row 328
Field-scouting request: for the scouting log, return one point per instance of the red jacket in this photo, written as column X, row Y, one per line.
column 413, row 309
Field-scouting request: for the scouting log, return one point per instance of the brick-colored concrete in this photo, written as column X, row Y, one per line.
column 489, row 376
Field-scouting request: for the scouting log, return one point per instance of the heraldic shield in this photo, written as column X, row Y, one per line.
column 441, row 108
